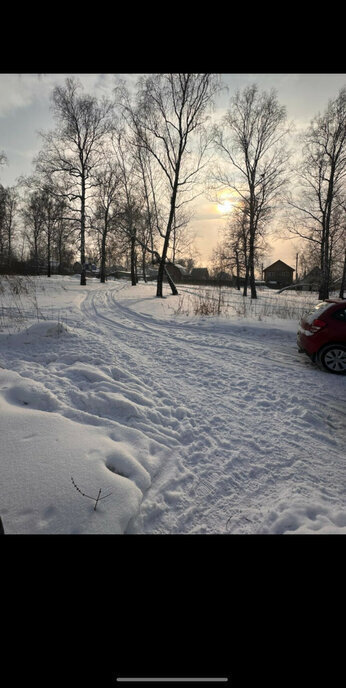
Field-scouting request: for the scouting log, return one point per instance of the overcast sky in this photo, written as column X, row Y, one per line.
column 24, row 111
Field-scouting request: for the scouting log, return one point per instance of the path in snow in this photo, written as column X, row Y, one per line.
column 222, row 426
column 242, row 439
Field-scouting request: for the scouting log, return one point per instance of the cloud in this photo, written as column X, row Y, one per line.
column 12, row 96
column 19, row 91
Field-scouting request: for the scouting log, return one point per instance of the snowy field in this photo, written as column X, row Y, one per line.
column 186, row 423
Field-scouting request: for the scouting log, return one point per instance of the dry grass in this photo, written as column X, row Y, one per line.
column 226, row 302
column 16, row 294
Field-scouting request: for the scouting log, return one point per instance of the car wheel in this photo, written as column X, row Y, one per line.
column 333, row 358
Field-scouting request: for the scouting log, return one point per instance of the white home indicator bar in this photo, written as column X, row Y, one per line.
column 172, row 680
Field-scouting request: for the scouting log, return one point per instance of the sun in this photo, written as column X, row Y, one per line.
column 224, row 207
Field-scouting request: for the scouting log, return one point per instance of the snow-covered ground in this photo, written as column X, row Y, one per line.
column 194, row 424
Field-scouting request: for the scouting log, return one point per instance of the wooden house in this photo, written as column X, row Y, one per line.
column 278, row 275
column 200, row 273
column 175, row 271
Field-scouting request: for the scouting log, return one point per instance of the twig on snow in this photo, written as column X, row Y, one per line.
column 95, row 499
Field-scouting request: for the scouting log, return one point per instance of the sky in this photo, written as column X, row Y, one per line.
column 25, row 110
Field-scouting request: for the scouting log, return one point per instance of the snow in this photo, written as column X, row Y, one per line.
column 194, row 424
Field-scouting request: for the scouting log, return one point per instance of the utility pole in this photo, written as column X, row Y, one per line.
column 297, row 254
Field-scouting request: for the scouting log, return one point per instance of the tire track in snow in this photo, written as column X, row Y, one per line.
column 217, row 451
column 222, row 412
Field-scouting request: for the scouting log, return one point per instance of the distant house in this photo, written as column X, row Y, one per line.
column 278, row 275
column 91, row 270
column 224, row 276
column 310, row 281
column 182, row 268
column 200, row 273
column 176, row 271
column 313, row 278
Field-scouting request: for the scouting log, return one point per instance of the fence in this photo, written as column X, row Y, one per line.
column 265, row 305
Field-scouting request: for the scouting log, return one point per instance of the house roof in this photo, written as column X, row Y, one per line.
column 279, row 264
column 315, row 272
column 199, row 272
column 182, row 268
column 179, row 267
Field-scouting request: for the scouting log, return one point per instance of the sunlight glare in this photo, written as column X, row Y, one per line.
column 225, row 206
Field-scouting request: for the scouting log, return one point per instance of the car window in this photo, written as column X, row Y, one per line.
column 340, row 315
column 316, row 311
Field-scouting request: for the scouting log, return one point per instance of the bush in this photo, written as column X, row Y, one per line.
column 12, row 310
column 205, row 305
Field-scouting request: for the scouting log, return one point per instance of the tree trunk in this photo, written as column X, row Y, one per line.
column 103, row 258
column 36, row 254
column 166, row 243
column 252, row 280
column 9, row 247
column 48, row 254
column 60, row 249
column 134, row 279
column 143, row 266
column 343, row 280
column 324, row 284
column 82, row 236
column 10, row 222
column 160, row 278
column 238, row 270
column 253, row 232
column 171, row 283
column 246, row 279
column 49, row 237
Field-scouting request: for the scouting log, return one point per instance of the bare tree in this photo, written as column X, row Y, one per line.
column 233, row 251
column 107, row 207
column 170, row 109
column 308, row 258
column 64, row 236
column 236, row 247
column 34, row 222
column 343, row 279
column 73, row 151
column 129, row 218
column 149, row 190
column 322, row 175
column 51, row 215
column 182, row 236
column 8, row 208
column 250, row 141
column 2, row 221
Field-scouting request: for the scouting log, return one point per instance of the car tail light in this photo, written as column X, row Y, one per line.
column 317, row 325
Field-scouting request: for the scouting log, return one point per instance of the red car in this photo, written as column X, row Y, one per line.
column 322, row 335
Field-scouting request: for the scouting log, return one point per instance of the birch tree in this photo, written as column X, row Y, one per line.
column 170, row 111
column 107, row 208
column 34, row 222
column 343, row 279
column 250, row 142
column 129, row 217
column 9, row 200
column 322, row 175
column 149, row 190
column 73, row 152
